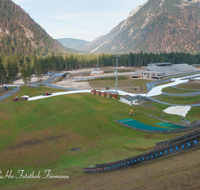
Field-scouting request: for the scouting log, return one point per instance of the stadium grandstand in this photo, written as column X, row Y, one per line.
column 172, row 69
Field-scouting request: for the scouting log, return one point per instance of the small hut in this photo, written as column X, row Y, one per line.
column 98, row 93
column 109, row 95
column 103, row 94
column 114, row 96
column 93, row 91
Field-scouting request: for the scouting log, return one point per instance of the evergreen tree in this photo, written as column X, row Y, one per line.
column 24, row 71
column 2, row 73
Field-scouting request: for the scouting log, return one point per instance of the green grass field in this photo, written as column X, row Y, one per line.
column 25, row 90
column 124, row 83
column 189, row 86
column 39, row 135
column 163, row 83
column 179, row 100
column 175, row 90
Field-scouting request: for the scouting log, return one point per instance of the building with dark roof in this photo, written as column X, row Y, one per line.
column 130, row 100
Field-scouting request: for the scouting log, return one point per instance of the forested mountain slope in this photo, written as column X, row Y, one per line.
column 156, row 26
column 20, row 34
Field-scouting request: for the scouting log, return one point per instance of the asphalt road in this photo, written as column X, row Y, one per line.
column 48, row 82
column 150, row 86
column 196, row 90
column 9, row 93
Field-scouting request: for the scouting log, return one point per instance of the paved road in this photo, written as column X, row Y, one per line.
column 104, row 76
column 48, row 82
column 182, row 94
column 151, row 85
column 186, row 89
column 9, row 93
column 169, row 104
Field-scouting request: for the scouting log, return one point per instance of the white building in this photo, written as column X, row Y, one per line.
column 130, row 100
column 152, row 75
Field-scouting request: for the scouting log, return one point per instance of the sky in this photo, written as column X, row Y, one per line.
column 80, row 19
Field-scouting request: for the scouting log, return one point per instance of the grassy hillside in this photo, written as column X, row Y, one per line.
column 157, row 26
column 39, row 135
column 124, row 83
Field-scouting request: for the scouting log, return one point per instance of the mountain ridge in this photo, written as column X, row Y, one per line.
column 73, row 43
column 19, row 33
column 155, row 26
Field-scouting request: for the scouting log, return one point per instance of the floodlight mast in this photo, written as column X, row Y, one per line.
column 97, row 61
column 116, row 56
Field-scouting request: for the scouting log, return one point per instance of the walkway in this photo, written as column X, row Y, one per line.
column 153, row 91
column 9, row 93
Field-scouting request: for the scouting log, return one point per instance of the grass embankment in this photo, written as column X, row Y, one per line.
column 175, row 90
column 163, row 83
column 124, row 83
column 177, row 172
column 179, row 100
column 25, row 90
column 189, row 86
column 38, row 135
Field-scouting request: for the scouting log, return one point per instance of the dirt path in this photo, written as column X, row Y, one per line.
column 73, row 84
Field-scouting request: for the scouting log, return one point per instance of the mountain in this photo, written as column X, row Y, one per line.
column 19, row 33
column 73, row 43
column 156, row 26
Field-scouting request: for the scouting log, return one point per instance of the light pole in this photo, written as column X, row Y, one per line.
column 97, row 60
column 116, row 56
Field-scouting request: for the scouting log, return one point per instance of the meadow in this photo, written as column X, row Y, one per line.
column 124, row 83
column 40, row 135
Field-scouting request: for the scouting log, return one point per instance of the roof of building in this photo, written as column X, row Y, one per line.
column 197, row 65
column 156, row 72
column 160, row 64
column 129, row 98
column 174, row 69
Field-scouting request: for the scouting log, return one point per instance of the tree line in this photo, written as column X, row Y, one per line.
column 11, row 65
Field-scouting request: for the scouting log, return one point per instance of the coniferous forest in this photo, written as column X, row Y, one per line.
column 11, row 65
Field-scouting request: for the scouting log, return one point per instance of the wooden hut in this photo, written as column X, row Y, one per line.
column 114, row 96
column 103, row 94
column 93, row 91
column 98, row 93
column 109, row 95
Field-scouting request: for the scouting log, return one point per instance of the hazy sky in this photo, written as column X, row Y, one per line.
column 81, row 19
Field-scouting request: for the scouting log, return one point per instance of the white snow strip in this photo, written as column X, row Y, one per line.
column 178, row 110
column 175, row 81
column 58, row 94
column 154, row 92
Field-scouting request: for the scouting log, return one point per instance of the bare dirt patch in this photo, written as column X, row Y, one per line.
column 73, row 84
